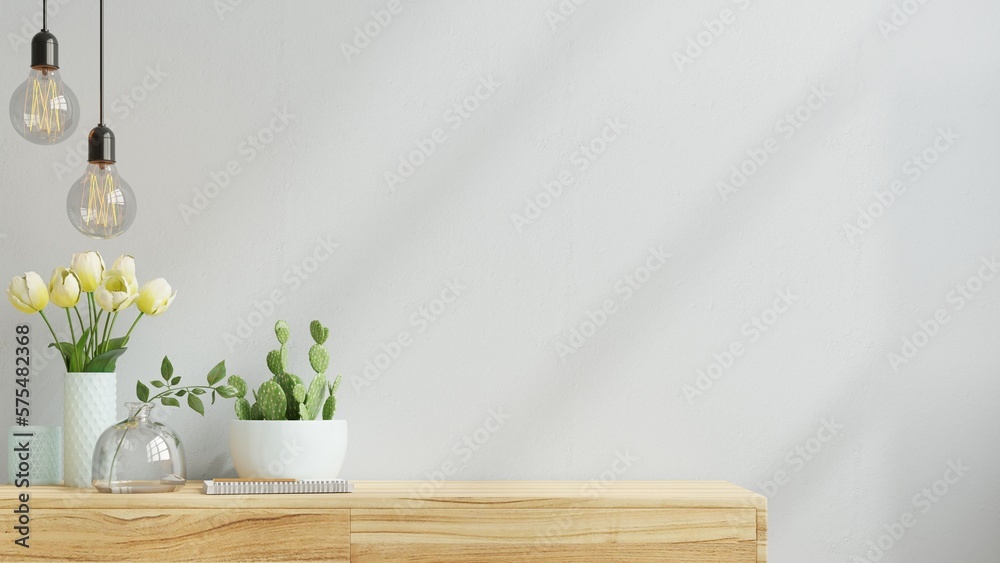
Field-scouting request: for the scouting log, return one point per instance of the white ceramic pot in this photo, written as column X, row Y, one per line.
column 288, row 449
column 89, row 405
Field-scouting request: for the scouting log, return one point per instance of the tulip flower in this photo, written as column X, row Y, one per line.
column 89, row 268
column 64, row 288
column 27, row 293
column 104, row 292
column 155, row 297
column 126, row 265
column 115, row 292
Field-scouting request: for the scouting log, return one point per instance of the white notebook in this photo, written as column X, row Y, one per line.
column 276, row 487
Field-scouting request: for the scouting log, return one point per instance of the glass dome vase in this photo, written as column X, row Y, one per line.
column 138, row 455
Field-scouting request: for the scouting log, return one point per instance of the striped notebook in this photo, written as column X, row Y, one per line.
column 274, row 486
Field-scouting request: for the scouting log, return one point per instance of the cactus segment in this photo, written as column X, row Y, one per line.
column 319, row 358
column 242, row 409
column 329, row 407
column 314, row 398
column 272, row 401
column 319, row 332
column 282, row 332
column 299, row 393
column 238, row 383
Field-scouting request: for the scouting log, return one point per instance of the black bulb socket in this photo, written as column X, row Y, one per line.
column 101, row 145
column 44, row 50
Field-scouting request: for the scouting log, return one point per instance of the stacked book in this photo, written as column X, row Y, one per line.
column 274, row 486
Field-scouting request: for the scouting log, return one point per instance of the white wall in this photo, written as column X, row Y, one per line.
column 216, row 79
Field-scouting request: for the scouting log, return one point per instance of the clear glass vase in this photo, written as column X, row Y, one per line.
column 138, row 455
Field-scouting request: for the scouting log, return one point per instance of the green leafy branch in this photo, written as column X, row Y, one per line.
column 171, row 390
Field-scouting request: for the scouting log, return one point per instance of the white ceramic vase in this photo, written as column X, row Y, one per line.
column 288, row 449
column 90, row 401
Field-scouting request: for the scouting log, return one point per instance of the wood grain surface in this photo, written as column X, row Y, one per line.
column 699, row 521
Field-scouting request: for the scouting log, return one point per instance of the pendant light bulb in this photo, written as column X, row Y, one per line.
column 43, row 109
column 101, row 204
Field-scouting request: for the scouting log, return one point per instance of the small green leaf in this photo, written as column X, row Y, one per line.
column 104, row 363
column 80, row 356
column 213, row 396
column 169, row 402
column 166, row 369
column 83, row 338
column 67, row 350
column 175, row 380
column 227, row 391
column 218, row 373
column 196, row 404
column 182, row 392
column 157, row 383
column 141, row 391
column 198, row 391
column 116, row 343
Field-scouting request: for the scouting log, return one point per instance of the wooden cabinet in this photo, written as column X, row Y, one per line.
column 400, row 521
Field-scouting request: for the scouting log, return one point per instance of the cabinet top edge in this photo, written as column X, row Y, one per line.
column 424, row 494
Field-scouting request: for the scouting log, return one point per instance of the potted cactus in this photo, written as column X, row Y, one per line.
column 285, row 429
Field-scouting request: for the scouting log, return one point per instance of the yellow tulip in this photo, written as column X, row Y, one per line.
column 115, row 293
column 155, row 297
column 89, row 268
column 27, row 293
column 126, row 265
column 64, row 288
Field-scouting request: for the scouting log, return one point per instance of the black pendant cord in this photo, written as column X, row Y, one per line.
column 102, row 139
column 102, row 62
column 44, row 46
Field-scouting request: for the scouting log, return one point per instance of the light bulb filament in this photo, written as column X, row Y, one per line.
column 45, row 104
column 101, row 202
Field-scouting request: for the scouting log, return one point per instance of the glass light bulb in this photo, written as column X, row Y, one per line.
column 43, row 109
column 101, row 204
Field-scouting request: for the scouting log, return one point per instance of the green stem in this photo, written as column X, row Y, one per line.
column 44, row 318
column 104, row 339
column 72, row 334
column 90, row 317
column 83, row 327
column 111, row 330
column 54, row 337
column 129, row 333
column 78, row 316
column 97, row 323
column 111, row 469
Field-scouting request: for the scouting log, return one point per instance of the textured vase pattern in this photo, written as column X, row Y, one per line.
column 45, row 454
column 89, row 404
